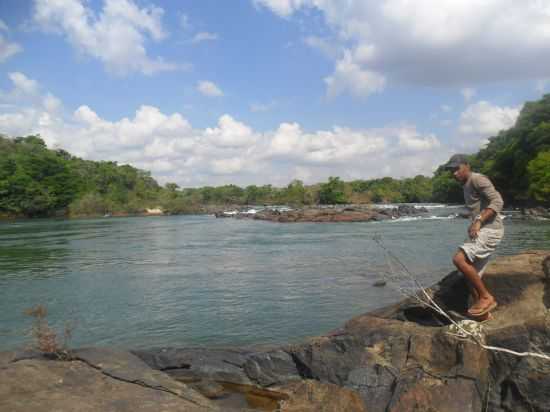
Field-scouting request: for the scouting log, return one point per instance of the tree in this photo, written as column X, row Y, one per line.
column 446, row 189
column 538, row 171
column 332, row 192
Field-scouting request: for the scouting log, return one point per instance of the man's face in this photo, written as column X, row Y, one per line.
column 461, row 173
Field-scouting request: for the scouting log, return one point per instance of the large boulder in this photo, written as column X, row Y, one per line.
column 117, row 382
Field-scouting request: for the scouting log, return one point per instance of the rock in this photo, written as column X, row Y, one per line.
column 63, row 386
column 268, row 368
column 210, row 389
column 407, row 210
column 127, row 367
column 7, row 357
column 313, row 396
column 195, row 364
column 379, row 283
column 537, row 213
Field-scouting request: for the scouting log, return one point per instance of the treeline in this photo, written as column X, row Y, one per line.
column 37, row 181
column 335, row 191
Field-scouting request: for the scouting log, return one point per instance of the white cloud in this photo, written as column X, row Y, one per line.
column 456, row 43
column 22, row 84
column 229, row 152
column 230, row 133
column 349, row 77
column 116, row 37
column 204, row 36
column 3, row 26
column 51, row 103
column 446, row 108
column 412, row 140
column 209, row 89
column 283, row 8
column 482, row 120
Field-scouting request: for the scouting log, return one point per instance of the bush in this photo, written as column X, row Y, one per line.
column 45, row 339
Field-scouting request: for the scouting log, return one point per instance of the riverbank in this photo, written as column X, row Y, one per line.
column 398, row 358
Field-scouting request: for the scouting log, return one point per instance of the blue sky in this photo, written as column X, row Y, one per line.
column 266, row 91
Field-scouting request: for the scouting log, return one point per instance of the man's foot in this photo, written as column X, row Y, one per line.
column 483, row 306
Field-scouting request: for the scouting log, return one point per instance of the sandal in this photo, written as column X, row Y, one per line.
column 482, row 311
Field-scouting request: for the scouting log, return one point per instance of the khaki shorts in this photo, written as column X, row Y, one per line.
column 479, row 250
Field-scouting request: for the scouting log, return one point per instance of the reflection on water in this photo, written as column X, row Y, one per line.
column 142, row 282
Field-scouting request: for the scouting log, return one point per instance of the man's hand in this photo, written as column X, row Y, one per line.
column 473, row 230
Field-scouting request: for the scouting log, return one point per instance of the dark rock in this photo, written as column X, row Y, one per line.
column 268, row 368
column 194, row 364
column 537, row 213
column 379, row 283
column 407, row 210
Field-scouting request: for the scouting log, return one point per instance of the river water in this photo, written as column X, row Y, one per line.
column 198, row 280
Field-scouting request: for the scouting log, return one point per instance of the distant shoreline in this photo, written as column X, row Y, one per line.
column 534, row 212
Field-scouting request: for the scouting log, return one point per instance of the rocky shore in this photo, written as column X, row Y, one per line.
column 336, row 214
column 398, row 358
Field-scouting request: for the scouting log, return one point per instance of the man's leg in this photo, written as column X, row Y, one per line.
column 484, row 298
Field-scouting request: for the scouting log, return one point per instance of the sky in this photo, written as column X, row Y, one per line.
column 214, row 92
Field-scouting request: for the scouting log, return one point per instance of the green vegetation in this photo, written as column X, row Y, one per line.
column 516, row 160
column 37, row 181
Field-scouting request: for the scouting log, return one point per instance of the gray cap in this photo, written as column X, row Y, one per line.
column 456, row 160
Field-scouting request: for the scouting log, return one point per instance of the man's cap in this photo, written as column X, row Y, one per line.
column 456, row 160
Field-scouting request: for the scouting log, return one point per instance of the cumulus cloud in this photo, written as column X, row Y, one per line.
column 348, row 77
column 457, row 43
column 228, row 152
column 116, row 37
column 22, row 84
column 283, row 8
column 204, row 36
column 208, row 88
column 7, row 48
column 481, row 120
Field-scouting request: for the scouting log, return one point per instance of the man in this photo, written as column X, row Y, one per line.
column 485, row 232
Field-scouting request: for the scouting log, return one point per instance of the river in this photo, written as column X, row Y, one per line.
column 197, row 280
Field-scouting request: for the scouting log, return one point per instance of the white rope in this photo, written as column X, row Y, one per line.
column 462, row 329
